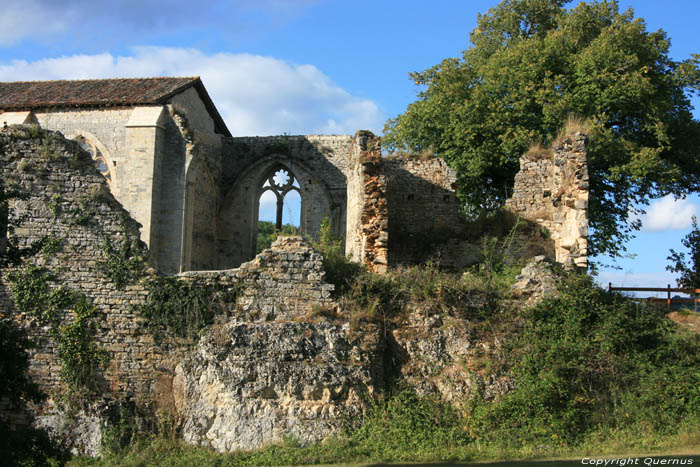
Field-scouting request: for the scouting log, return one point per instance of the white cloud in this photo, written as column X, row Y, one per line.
column 90, row 18
column 256, row 95
column 668, row 213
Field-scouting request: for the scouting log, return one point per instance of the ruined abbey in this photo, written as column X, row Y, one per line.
column 152, row 159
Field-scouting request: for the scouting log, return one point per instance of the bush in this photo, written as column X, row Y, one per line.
column 340, row 270
column 591, row 360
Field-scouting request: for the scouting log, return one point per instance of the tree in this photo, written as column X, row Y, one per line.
column 690, row 272
column 532, row 64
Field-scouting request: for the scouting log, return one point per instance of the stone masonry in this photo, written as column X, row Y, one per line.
column 63, row 197
column 551, row 191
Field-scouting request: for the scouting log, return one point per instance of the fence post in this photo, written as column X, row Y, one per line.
column 668, row 298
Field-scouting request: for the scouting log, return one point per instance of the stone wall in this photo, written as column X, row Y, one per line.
column 425, row 222
column 64, row 197
column 59, row 183
column 149, row 151
column 319, row 163
column 368, row 229
column 551, row 192
column 281, row 283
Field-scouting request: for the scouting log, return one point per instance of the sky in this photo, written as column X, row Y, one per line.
column 304, row 67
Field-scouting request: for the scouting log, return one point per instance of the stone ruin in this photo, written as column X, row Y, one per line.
column 170, row 160
column 163, row 168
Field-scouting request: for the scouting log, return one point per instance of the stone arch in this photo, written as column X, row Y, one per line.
column 99, row 153
column 280, row 190
column 198, row 248
column 238, row 213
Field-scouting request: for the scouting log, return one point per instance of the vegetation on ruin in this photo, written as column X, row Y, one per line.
column 268, row 233
column 20, row 446
column 181, row 308
column 592, row 61
column 595, row 374
column 32, row 294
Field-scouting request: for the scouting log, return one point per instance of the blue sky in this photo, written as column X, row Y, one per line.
column 301, row 66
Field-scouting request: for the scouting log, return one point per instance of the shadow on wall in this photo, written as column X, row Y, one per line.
column 317, row 165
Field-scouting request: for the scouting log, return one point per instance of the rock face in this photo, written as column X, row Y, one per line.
column 537, row 281
column 247, row 385
column 443, row 355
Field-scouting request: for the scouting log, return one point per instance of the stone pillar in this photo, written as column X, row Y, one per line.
column 368, row 217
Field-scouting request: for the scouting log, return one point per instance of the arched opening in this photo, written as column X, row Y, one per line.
column 279, row 207
column 97, row 156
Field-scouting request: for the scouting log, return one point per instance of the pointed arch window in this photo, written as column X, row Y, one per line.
column 281, row 182
column 98, row 157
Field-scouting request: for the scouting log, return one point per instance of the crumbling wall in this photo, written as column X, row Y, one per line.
column 367, row 234
column 551, row 191
column 319, row 163
column 283, row 282
column 64, row 199
column 425, row 222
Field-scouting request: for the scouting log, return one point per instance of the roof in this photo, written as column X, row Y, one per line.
column 22, row 95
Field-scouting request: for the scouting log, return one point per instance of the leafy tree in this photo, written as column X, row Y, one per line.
column 267, row 233
column 690, row 272
column 532, row 64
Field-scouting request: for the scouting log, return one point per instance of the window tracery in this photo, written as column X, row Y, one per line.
column 98, row 157
column 280, row 182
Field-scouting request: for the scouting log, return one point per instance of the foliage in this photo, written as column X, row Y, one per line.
column 690, row 272
column 340, row 270
column 267, row 233
column 182, row 308
column 15, row 385
column 592, row 360
column 78, row 353
column 408, row 427
column 592, row 61
column 122, row 266
column 499, row 260
column 30, row 447
column 80, row 356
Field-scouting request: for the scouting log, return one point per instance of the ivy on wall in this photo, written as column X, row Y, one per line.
column 33, row 294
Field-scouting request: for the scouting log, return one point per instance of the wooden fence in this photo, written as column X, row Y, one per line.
column 668, row 289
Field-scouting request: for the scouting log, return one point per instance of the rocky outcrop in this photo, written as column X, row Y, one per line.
column 537, row 281
column 444, row 355
column 247, row 385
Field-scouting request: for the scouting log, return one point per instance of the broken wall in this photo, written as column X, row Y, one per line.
column 65, row 198
column 319, row 163
column 551, row 191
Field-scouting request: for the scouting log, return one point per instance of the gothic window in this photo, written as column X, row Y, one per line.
column 282, row 184
column 98, row 157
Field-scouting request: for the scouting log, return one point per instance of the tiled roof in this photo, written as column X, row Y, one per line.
column 23, row 95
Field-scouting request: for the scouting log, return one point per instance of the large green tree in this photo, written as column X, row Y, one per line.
column 532, row 64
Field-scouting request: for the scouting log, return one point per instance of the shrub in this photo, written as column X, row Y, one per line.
column 592, row 359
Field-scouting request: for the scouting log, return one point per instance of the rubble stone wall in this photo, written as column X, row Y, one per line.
column 551, row 191
column 425, row 222
column 368, row 230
